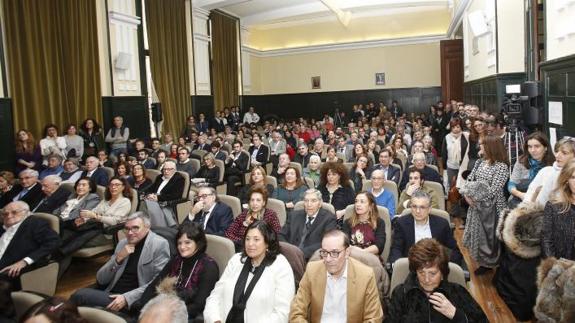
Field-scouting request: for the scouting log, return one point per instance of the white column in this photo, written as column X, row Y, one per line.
column 246, row 59
column 201, row 51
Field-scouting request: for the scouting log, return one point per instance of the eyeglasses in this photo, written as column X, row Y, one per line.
column 332, row 254
column 419, row 207
column 168, row 168
column 203, row 196
column 115, row 184
column 12, row 212
column 134, row 229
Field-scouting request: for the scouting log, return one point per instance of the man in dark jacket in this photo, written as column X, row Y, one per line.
column 54, row 195
column 214, row 216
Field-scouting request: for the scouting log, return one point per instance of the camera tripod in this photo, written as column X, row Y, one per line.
column 513, row 135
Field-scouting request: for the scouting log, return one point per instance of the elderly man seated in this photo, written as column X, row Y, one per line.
column 167, row 190
column 26, row 242
column 214, row 216
column 304, row 228
column 420, row 224
column 135, row 263
column 28, row 190
column 382, row 197
column 279, row 170
column 71, row 172
column 93, row 170
column 54, row 195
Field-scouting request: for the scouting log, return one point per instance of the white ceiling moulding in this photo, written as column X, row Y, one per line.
column 345, row 46
column 457, row 17
column 216, row 4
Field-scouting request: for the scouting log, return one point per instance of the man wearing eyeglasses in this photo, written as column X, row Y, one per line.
column 337, row 288
column 28, row 190
column 420, row 224
column 135, row 263
column 304, row 228
column 214, row 216
column 25, row 242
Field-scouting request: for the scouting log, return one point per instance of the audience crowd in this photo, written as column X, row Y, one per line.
column 356, row 197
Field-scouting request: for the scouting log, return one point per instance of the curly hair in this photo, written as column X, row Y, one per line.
column 127, row 192
column 426, row 253
column 27, row 146
column 337, row 168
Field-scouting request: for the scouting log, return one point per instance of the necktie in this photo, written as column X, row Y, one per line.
column 20, row 195
column 305, row 232
column 308, row 223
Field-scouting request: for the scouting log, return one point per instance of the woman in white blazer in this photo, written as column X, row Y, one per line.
column 270, row 296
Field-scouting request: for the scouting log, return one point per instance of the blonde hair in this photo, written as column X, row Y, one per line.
column 562, row 193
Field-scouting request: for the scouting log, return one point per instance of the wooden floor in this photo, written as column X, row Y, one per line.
column 82, row 273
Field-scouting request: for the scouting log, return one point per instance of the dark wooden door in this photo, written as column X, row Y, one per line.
column 451, row 69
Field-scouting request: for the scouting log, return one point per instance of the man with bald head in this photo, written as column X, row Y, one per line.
column 429, row 174
column 25, row 242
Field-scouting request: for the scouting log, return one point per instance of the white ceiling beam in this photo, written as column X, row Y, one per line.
column 316, row 8
column 215, row 4
column 344, row 17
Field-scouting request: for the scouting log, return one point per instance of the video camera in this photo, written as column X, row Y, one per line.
column 522, row 103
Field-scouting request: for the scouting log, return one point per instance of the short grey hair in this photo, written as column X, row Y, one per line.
column 21, row 205
column 315, row 192
column 170, row 161
column 378, row 171
column 54, row 179
column 314, row 156
column 30, row 172
column 168, row 306
column 421, row 194
column 140, row 215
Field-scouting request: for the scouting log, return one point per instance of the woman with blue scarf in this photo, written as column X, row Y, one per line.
column 536, row 155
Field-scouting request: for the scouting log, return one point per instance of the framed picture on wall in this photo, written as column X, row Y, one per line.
column 379, row 78
column 315, row 82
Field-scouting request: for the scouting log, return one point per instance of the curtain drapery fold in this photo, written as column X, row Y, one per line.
column 225, row 67
column 166, row 25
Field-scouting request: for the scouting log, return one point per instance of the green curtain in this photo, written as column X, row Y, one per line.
column 52, row 58
column 166, row 24
column 224, row 60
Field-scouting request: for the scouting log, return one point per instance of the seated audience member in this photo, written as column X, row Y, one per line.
column 281, row 166
column 144, row 159
column 416, row 180
column 326, row 294
column 312, row 170
column 382, row 197
column 258, row 151
column 135, row 263
column 190, row 274
column 156, row 147
column 74, row 236
column 365, row 228
column 54, row 195
column 541, row 188
column 291, row 190
column 118, row 137
column 103, row 159
column 331, row 155
column 277, row 146
column 201, row 144
column 302, row 156
column 114, row 208
column 6, row 182
column 53, row 310
column 138, row 180
column 257, row 179
column 537, row 154
column 304, row 228
column 164, row 308
column 123, row 169
column 208, row 173
column 95, row 172
column 558, row 234
column 27, row 152
column 257, row 284
column 54, row 167
column 29, row 190
column 258, row 199
column 318, row 148
column 71, row 171
column 217, row 152
column 213, row 216
column 184, row 162
column 420, row 224
column 360, row 172
column 52, row 144
column 391, row 172
column 161, row 159
column 428, row 173
column 335, row 189
column 168, row 189
column 426, row 295
column 236, row 165
column 167, row 141
column 26, row 242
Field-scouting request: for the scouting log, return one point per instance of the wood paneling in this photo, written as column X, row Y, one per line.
column 314, row 105
column 451, row 69
column 134, row 109
column 559, row 83
column 488, row 93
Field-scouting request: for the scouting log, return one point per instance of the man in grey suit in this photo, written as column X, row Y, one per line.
column 135, row 263
column 305, row 228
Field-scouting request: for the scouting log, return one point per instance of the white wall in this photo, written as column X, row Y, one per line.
column 479, row 52
column 404, row 66
column 560, row 21
column 511, row 36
